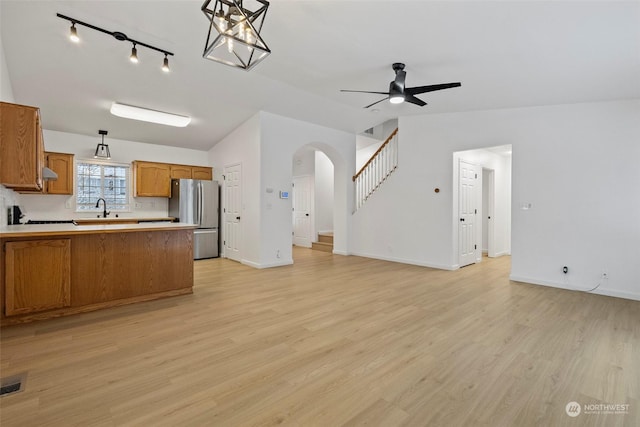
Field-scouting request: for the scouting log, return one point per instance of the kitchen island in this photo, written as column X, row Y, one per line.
column 62, row 269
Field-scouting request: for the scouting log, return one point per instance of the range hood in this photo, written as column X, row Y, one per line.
column 48, row 174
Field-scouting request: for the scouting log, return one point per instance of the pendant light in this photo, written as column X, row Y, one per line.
column 234, row 32
column 102, row 149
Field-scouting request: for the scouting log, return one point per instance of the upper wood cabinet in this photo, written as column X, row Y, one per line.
column 62, row 164
column 202, row 172
column 151, row 179
column 37, row 275
column 181, row 172
column 21, row 147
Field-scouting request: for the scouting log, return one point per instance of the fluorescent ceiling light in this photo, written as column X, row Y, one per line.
column 146, row 115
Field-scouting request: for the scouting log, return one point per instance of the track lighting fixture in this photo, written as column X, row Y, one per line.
column 234, row 32
column 165, row 64
column 102, row 149
column 73, row 35
column 134, row 54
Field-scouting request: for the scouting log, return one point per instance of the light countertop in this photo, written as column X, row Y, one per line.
column 37, row 230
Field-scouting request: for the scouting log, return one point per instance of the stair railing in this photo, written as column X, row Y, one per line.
column 381, row 164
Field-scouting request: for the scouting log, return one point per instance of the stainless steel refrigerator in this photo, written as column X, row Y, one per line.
column 196, row 202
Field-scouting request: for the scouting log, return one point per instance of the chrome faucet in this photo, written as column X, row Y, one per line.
column 104, row 203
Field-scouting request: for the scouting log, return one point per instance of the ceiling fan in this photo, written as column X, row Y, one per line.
column 398, row 93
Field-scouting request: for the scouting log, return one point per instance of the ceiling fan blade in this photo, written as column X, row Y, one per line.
column 377, row 102
column 413, row 100
column 423, row 89
column 364, row 91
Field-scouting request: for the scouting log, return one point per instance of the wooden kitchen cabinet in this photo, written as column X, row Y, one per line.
column 191, row 172
column 151, row 179
column 202, row 172
column 21, row 147
column 62, row 164
column 181, row 172
column 37, row 275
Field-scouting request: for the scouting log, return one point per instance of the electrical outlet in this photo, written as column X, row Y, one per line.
column 67, row 203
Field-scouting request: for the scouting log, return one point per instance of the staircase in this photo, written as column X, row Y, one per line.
column 377, row 169
column 324, row 243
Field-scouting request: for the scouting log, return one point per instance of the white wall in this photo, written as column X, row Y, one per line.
column 304, row 162
column 575, row 165
column 323, row 192
column 281, row 137
column 242, row 146
column 6, row 90
column 38, row 206
column 266, row 145
column 370, row 146
column 7, row 197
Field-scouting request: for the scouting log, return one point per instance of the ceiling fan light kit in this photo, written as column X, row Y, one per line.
column 234, row 37
column 398, row 93
column 73, row 36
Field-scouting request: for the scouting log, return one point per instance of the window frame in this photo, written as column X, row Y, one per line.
column 102, row 164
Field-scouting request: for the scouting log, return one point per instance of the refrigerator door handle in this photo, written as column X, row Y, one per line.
column 201, row 203
column 198, row 205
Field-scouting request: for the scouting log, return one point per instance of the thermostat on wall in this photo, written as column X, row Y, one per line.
column 284, row 194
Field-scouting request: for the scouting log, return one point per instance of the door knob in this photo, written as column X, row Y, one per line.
column 461, row 219
column 306, row 214
column 238, row 218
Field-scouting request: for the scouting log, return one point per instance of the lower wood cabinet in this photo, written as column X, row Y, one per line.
column 37, row 275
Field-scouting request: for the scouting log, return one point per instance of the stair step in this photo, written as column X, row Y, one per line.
column 325, row 237
column 321, row 246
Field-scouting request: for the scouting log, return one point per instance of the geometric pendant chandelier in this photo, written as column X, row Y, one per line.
column 234, row 32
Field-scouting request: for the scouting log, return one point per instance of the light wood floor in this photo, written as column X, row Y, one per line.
column 333, row 341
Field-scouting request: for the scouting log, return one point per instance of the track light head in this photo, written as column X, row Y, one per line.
column 73, row 33
column 165, row 64
column 134, row 54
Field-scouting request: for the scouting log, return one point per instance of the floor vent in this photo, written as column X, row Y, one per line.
column 12, row 384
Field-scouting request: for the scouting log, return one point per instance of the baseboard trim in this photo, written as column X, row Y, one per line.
column 606, row 292
column 339, row 252
column 407, row 261
column 268, row 265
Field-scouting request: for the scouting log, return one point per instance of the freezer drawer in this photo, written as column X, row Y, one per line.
column 205, row 243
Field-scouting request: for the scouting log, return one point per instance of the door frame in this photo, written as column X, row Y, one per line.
column 491, row 210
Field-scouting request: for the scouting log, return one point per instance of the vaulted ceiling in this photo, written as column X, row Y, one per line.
column 506, row 54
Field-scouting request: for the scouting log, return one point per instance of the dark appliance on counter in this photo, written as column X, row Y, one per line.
column 15, row 214
column 196, row 202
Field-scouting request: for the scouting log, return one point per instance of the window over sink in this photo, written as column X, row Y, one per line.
column 109, row 181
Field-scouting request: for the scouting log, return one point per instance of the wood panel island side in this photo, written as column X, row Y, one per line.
column 61, row 269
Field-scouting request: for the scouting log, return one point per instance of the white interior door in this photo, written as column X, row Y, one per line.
column 467, row 211
column 302, row 196
column 232, row 212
